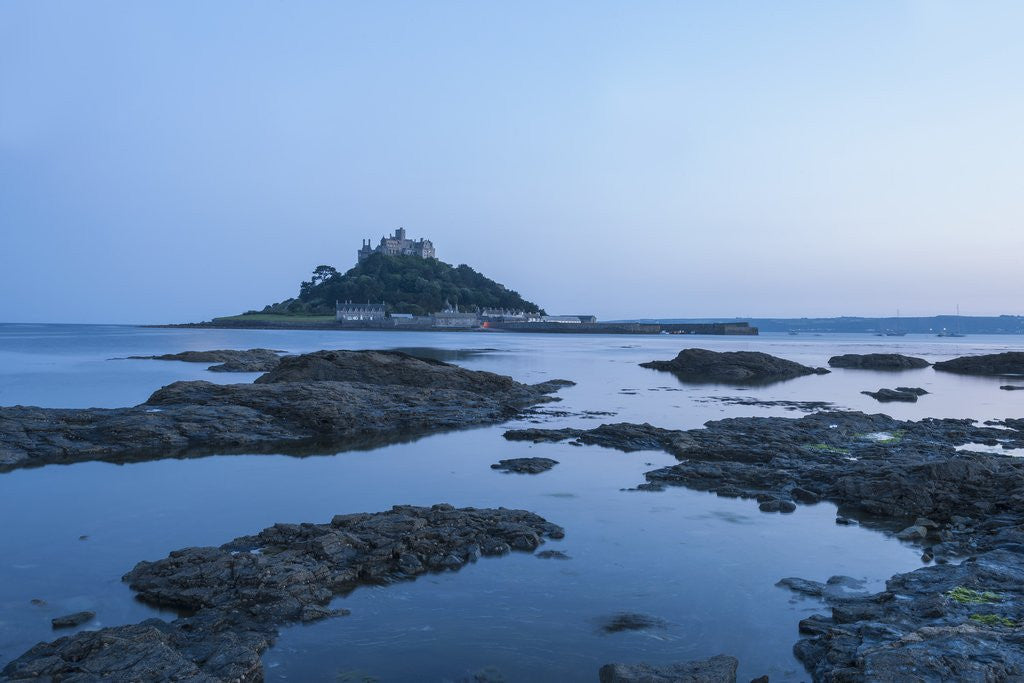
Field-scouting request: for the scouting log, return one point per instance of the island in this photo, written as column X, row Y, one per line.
column 401, row 285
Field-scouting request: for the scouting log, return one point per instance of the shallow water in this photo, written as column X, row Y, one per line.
column 705, row 565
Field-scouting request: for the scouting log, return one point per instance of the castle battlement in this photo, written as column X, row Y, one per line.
column 398, row 245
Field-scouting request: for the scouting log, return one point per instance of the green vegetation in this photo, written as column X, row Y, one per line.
column 275, row 317
column 969, row 596
column 896, row 437
column 826, row 448
column 406, row 284
column 993, row 620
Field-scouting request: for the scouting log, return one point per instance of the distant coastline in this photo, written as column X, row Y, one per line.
column 1002, row 324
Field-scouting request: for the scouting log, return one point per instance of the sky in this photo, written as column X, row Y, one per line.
column 173, row 161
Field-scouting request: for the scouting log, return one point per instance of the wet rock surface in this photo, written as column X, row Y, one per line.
column 525, row 465
column 280, row 412
column 943, row 622
column 1008, row 363
column 72, row 620
column 939, row 623
column 731, row 367
column 240, row 593
column 718, row 669
column 802, row 406
column 867, row 464
column 905, row 394
column 877, row 361
column 227, row 360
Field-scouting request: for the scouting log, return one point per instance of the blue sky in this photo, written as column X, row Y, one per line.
column 172, row 161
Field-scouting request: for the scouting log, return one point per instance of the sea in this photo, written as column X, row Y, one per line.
column 705, row 566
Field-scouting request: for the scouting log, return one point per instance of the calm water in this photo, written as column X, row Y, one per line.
column 706, row 566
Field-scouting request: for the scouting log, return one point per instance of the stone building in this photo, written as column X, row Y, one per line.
column 398, row 244
column 348, row 311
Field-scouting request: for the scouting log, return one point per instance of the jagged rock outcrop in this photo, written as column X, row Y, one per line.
column 282, row 412
column 1007, row 363
column 525, row 465
column 871, row 465
column 877, row 361
column 905, row 394
column 732, row 367
column 229, row 360
column 243, row 591
column 940, row 623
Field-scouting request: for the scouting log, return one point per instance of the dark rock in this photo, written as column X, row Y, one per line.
column 629, row 621
column 803, row 406
column 240, row 593
column 1012, row 387
column 251, row 360
column 732, row 367
column 552, row 555
column 623, row 436
column 525, row 465
column 877, row 361
column 718, row 669
column 802, row 586
column 913, row 390
column 803, row 495
column 1007, row 363
column 72, row 620
column 775, row 505
column 279, row 413
column 886, row 395
column 944, row 622
column 917, row 472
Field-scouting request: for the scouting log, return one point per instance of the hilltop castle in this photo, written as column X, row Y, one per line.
column 398, row 245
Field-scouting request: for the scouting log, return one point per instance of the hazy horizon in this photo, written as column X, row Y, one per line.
column 171, row 162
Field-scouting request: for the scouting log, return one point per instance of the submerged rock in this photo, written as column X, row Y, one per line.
column 732, row 367
column 718, row 669
column 901, row 394
column 1007, row 363
column 629, row 621
column 251, row 360
column 1012, row 387
column 388, row 402
column 877, row 361
column 241, row 592
column 525, row 465
column 72, row 620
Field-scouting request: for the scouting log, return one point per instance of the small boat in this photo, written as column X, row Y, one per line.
column 897, row 332
column 948, row 333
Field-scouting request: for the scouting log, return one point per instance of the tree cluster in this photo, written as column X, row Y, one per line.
column 406, row 284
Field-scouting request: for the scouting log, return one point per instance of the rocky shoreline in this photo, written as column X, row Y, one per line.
column 317, row 402
column 238, row 595
column 226, row 360
column 911, row 479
